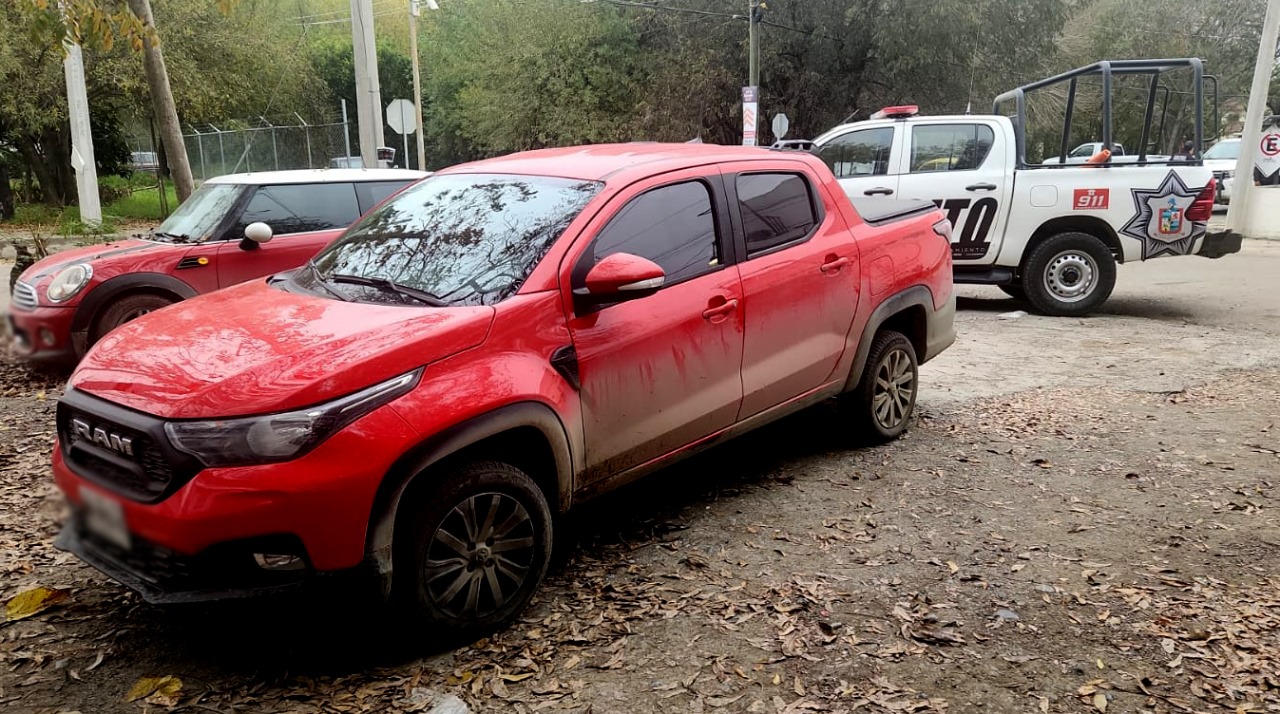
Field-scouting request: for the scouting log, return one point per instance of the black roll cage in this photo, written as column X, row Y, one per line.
column 1107, row 69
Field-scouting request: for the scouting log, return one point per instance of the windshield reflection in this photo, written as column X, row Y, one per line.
column 464, row 239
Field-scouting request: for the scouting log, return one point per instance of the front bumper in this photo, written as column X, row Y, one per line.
column 199, row 538
column 164, row 577
column 1216, row 245
column 44, row 334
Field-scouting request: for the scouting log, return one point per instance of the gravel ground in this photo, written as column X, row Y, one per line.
column 1079, row 521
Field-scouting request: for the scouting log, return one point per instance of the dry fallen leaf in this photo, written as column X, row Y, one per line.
column 33, row 601
column 951, row 565
column 1100, row 701
column 156, row 690
column 1044, row 704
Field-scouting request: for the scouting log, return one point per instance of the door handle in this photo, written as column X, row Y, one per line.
column 881, row 191
column 832, row 266
column 981, row 187
column 721, row 310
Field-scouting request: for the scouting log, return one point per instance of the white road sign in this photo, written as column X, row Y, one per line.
column 400, row 116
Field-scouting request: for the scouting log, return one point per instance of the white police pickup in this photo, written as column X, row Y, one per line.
column 1052, row 233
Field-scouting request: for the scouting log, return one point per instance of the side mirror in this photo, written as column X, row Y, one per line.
column 620, row 277
column 255, row 234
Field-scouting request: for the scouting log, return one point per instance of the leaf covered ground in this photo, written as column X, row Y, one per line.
column 1049, row 550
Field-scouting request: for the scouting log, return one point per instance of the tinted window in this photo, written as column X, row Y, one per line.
column 296, row 208
column 469, row 239
column 950, row 147
column 673, row 226
column 776, row 209
column 1224, row 150
column 372, row 193
column 859, row 153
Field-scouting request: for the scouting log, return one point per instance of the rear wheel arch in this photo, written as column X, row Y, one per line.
column 906, row 312
column 527, row 435
column 1090, row 225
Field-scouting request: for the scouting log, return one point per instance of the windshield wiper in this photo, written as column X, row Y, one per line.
column 386, row 284
column 177, row 237
column 319, row 278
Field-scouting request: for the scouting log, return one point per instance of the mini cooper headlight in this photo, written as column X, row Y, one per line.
column 69, row 281
column 271, row 438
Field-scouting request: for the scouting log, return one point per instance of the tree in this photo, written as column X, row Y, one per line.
column 162, row 102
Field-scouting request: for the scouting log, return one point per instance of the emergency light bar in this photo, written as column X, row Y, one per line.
column 900, row 112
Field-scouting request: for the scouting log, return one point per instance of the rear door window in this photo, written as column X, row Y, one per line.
column 776, row 209
column 300, row 208
column 950, row 147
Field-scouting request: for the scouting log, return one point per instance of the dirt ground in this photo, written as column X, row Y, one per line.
column 1083, row 519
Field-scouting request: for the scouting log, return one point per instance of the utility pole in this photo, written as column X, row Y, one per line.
column 166, row 112
column 414, row 10
column 368, row 91
column 751, row 92
column 1243, row 191
column 82, row 160
column 753, row 72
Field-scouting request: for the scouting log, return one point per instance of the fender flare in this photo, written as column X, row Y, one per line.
column 443, row 444
column 916, row 295
column 98, row 297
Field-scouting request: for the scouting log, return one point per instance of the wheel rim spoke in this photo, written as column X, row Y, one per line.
column 517, row 517
column 456, row 586
column 486, row 530
column 468, row 510
column 473, row 594
column 436, row 569
column 495, row 587
column 510, row 568
column 501, row 546
column 453, row 542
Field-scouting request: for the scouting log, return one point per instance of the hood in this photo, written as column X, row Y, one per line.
column 254, row 349
column 46, row 267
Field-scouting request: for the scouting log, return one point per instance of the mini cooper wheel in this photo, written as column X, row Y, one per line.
column 478, row 547
column 1069, row 274
column 126, row 309
column 884, row 399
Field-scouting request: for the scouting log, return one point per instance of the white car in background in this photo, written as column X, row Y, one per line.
column 1221, row 159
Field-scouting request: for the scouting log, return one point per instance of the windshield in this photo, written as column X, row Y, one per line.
column 1224, row 150
column 196, row 218
column 457, row 239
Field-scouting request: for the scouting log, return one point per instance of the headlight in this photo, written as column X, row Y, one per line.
column 69, row 281
column 283, row 436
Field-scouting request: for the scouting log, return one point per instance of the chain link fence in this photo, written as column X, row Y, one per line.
column 262, row 146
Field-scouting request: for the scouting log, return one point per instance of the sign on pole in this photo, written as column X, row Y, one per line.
column 750, row 110
column 401, row 117
column 781, row 124
column 1268, row 161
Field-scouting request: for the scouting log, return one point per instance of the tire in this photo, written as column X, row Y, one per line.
column 127, row 308
column 1014, row 291
column 445, row 570
column 1069, row 274
column 882, row 403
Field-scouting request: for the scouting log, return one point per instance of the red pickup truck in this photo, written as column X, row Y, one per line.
column 490, row 347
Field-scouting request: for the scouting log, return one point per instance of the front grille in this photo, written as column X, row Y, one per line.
column 143, row 474
column 24, row 296
column 121, row 449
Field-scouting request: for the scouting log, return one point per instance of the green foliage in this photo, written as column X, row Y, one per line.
column 507, row 76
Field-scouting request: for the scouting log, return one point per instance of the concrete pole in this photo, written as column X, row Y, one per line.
column 368, row 91
column 1243, row 189
column 81, row 139
column 346, row 132
column 417, row 86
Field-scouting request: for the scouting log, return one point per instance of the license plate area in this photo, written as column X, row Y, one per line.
column 104, row 518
